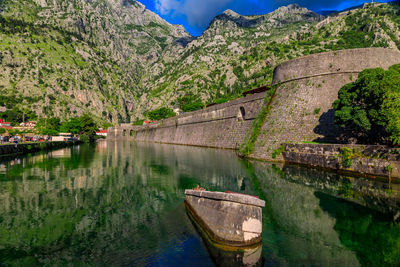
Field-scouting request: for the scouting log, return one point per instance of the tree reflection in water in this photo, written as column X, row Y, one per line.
column 122, row 204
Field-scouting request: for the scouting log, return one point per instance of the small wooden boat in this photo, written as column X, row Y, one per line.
column 229, row 219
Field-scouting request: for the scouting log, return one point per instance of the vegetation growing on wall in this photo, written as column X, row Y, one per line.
column 370, row 105
column 346, row 156
column 248, row 145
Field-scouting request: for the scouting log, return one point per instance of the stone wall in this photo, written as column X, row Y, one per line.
column 120, row 132
column 367, row 160
column 302, row 107
column 221, row 126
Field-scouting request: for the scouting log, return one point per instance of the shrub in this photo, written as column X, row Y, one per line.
column 160, row 113
column 84, row 138
column 138, row 122
column 190, row 102
column 317, row 111
column 346, row 154
column 278, row 151
column 371, row 105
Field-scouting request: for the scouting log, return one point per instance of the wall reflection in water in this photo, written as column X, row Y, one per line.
column 122, row 204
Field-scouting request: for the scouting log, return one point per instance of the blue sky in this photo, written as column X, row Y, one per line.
column 195, row 15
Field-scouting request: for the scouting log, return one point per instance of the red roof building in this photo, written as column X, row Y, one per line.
column 102, row 132
column 4, row 123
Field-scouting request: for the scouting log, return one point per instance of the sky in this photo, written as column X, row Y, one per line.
column 196, row 15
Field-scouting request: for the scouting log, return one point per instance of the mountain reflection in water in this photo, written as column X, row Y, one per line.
column 122, row 204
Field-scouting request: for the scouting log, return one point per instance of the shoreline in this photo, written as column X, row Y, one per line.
column 30, row 147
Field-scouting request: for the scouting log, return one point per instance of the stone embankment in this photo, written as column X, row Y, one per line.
column 24, row 148
column 370, row 161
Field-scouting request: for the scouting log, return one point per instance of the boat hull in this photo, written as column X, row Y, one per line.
column 233, row 220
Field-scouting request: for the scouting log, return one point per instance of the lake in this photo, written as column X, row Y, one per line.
column 121, row 204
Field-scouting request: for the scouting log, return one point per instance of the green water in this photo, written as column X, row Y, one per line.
column 121, row 204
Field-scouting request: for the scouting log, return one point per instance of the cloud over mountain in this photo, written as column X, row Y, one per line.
column 199, row 13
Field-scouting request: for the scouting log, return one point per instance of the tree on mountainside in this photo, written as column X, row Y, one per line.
column 371, row 105
column 160, row 113
column 190, row 102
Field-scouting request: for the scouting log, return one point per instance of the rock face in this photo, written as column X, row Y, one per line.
column 117, row 60
column 227, row 218
column 80, row 56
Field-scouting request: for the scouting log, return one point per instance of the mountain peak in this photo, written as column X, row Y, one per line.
column 231, row 13
column 294, row 6
column 295, row 12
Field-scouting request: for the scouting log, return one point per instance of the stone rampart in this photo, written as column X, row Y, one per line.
column 302, row 106
column 120, row 132
column 221, row 126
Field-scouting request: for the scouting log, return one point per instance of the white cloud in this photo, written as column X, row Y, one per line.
column 197, row 12
column 166, row 6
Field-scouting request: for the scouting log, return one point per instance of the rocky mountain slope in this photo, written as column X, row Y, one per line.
column 116, row 60
column 64, row 58
column 238, row 53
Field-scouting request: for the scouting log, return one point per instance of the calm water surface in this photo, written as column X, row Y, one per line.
column 114, row 204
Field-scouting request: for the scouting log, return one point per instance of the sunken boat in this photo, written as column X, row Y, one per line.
column 227, row 219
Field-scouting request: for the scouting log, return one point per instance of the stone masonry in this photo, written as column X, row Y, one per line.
column 221, row 126
column 302, row 107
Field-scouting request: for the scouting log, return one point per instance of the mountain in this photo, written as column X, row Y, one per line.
column 231, row 56
column 238, row 53
column 117, row 60
column 68, row 57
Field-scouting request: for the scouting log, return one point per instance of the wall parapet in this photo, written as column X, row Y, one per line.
column 332, row 63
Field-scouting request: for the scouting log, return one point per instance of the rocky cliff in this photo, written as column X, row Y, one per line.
column 116, row 59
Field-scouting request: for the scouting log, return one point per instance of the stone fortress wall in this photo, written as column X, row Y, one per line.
column 220, row 126
column 302, row 107
column 300, row 111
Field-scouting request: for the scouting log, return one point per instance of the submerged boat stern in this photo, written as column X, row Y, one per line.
column 228, row 219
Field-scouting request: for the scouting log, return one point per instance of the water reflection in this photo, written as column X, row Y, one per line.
column 122, row 204
column 306, row 223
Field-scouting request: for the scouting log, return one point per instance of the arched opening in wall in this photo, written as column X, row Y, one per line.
column 131, row 132
column 124, row 133
column 241, row 114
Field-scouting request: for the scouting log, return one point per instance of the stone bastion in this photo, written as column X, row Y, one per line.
column 302, row 106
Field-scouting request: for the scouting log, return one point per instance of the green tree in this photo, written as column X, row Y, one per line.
column 13, row 132
column 160, row 113
column 2, row 131
column 89, row 127
column 73, row 125
column 371, row 105
column 190, row 102
column 48, row 126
